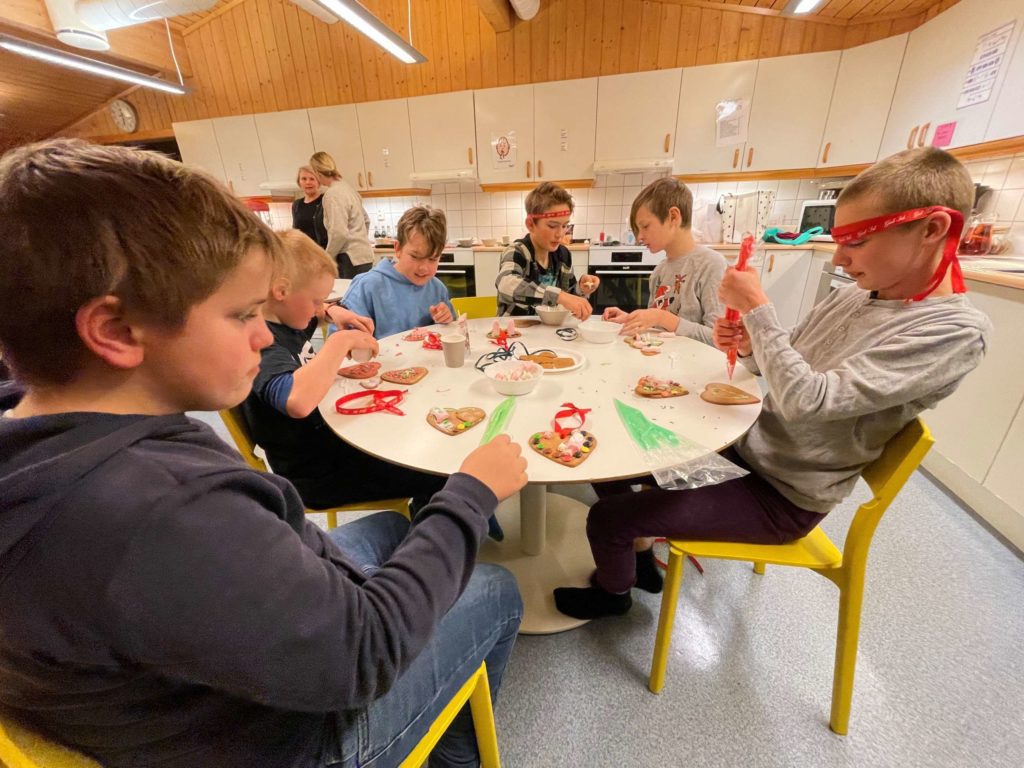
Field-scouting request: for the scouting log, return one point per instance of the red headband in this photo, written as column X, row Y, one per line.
column 549, row 214
column 859, row 229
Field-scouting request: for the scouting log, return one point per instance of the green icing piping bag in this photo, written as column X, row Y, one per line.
column 499, row 419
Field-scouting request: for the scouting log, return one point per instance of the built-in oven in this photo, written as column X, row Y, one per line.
column 832, row 279
column 625, row 273
column 455, row 269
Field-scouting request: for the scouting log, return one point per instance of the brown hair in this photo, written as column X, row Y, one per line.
column 324, row 164
column 429, row 222
column 83, row 221
column 302, row 259
column 660, row 197
column 914, row 178
column 547, row 195
column 298, row 174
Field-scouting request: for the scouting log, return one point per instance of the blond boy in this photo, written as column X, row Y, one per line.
column 684, row 287
column 537, row 269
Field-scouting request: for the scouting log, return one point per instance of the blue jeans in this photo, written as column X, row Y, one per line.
column 481, row 626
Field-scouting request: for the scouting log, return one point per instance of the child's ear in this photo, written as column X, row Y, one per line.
column 675, row 216
column 279, row 288
column 108, row 333
column 937, row 227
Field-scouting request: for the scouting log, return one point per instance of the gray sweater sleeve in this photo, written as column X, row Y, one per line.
column 707, row 277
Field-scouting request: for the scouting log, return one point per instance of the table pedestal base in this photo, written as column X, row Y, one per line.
column 564, row 558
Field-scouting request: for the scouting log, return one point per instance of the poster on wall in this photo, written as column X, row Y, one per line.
column 985, row 65
column 503, row 150
column 731, row 118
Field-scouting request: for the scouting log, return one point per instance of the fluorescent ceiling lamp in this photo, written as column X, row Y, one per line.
column 83, row 64
column 794, row 7
column 355, row 14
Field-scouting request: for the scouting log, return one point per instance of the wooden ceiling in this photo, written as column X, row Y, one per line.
column 245, row 56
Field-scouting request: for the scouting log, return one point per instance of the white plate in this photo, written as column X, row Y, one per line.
column 580, row 359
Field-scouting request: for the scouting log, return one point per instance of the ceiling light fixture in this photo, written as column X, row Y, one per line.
column 795, row 7
column 352, row 12
column 83, row 64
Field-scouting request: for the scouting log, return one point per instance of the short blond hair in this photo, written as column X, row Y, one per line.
column 661, row 196
column 82, row 221
column 547, row 195
column 914, row 178
column 302, row 259
column 298, row 174
column 323, row 164
column 429, row 222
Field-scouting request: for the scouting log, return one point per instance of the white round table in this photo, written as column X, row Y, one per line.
column 545, row 542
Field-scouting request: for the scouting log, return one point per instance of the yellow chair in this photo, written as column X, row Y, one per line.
column 476, row 306
column 846, row 569
column 21, row 748
column 239, row 432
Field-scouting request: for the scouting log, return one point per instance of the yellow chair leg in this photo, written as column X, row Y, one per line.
column 669, row 599
column 851, row 600
column 483, row 722
column 759, row 569
column 332, row 519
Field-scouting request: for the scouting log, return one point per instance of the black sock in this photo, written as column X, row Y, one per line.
column 648, row 577
column 494, row 529
column 591, row 602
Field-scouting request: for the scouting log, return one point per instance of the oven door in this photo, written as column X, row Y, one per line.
column 460, row 280
column 830, row 282
column 626, row 286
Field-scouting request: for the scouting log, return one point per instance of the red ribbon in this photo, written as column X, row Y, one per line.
column 860, row 229
column 432, row 341
column 570, row 410
column 383, row 400
column 550, row 214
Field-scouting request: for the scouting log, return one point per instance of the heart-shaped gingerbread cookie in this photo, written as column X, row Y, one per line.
column 570, row 451
column 359, row 370
column 455, row 421
column 404, row 375
column 650, row 386
column 727, row 394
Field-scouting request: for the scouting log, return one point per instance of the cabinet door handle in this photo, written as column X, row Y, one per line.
column 824, row 155
column 369, row 177
column 750, row 156
column 470, row 155
column 771, row 261
column 911, row 137
column 668, row 138
column 735, row 156
column 528, row 169
column 540, row 169
column 923, row 134
column 359, row 176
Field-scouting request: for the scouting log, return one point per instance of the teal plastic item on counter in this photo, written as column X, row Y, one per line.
column 773, row 235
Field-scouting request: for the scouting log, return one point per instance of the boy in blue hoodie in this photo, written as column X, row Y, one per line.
column 403, row 294
column 162, row 603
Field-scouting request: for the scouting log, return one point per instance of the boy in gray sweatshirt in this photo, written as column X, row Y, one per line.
column 852, row 374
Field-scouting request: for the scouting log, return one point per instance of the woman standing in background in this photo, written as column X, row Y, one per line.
column 308, row 211
column 344, row 219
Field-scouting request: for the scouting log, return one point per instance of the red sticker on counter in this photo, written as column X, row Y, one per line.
column 943, row 134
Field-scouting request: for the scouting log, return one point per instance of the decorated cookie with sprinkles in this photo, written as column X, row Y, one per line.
column 455, row 421
column 651, row 386
column 404, row 375
column 571, row 451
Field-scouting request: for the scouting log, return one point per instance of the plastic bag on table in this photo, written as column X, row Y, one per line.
column 675, row 462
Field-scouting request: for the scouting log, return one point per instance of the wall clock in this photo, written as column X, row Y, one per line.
column 124, row 116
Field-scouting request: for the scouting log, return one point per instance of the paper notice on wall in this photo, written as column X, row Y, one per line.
column 503, row 150
column 984, row 69
column 731, row 118
column 943, row 134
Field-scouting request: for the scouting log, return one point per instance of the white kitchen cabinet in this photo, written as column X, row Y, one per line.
column 197, row 143
column 580, row 262
column 636, row 115
column 703, row 89
column 787, row 119
column 860, row 102
column 336, row 131
column 387, row 143
column 505, row 115
column 1008, row 114
column 938, row 56
column 1004, row 477
column 286, row 144
column 240, row 150
column 443, row 132
column 485, row 272
column 565, row 129
column 784, row 277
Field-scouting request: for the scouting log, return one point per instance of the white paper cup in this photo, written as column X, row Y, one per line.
column 454, row 347
column 361, row 355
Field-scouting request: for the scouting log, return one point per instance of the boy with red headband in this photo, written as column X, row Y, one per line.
column 852, row 374
column 537, row 269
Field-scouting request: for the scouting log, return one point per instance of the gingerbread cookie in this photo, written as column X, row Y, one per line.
column 417, row 334
column 570, row 451
column 359, row 370
column 511, row 332
column 727, row 394
column 404, row 375
column 549, row 360
column 455, row 421
column 645, row 343
column 650, row 386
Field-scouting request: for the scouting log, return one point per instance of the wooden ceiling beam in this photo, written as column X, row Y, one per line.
column 812, row 18
column 498, row 14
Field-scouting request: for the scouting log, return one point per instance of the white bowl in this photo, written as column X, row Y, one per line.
column 599, row 331
column 518, row 386
column 552, row 315
column 465, row 242
column 490, row 242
